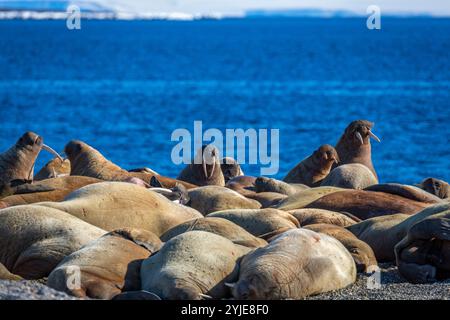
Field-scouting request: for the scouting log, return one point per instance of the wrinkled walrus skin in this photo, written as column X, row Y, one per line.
column 312, row 170
column 367, row 204
column 263, row 184
column 361, row 252
column 191, row 265
column 296, row 264
column 303, row 198
column 86, row 161
column 314, row 216
column 34, row 239
column 350, row 176
column 406, row 191
column 437, row 187
column 108, row 266
column 219, row 226
column 46, row 190
column 116, row 205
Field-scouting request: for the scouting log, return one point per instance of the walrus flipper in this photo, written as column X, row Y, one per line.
column 33, row 188
column 417, row 274
column 431, row 228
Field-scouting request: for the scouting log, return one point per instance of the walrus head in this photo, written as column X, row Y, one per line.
column 230, row 169
column 359, row 132
column 325, row 155
column 437, row 187
column 208, row 158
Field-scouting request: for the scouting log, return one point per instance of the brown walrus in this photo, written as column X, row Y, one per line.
column 319, row 216
column 406, row 191
column 55, row 168
column 383, row 233
column 312, row 170
column 116, row 205
column 264, row 184
column 437, row 187
column 192, row 266
column 220, row 226
column 86, row 161
column 205, row 168
column 424, row 254
column 17, row 163
column 107, row 266
column 243, row 184
column 295, row 264
column 267, row 199
column 46, row 190
column 354, row 145
column 34, row 239
column 367, row 204
column 230, row 169
column 361, row 252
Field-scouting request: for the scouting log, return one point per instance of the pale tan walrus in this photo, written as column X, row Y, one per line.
column 116, row 205
column 296, row 264
column 192, row 266
column 350, row 176
column 55, row 168
column 107, row 266
column 314, row 216
column 34, row 239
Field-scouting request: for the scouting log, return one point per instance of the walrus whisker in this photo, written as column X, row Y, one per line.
column 48, row 149
column 359, row 137
column 374, row 136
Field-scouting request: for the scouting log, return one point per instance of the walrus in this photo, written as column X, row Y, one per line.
column 263, row 223
column 243, row 184
column 263, row 184
column 86, row 161
column 6, row 275
column 17, row 163
column 350, row 176
column 437, row 187
column 55, row 189
column 177, row 194
column 307, row 217
column 312, row 170
column 115, row 205
column 303, row 198
column 383, row 233
column 361, row 252
column 55, row 168
column 267, row 199
column 205, row 168
column 34, row 239
column 406, row 191
column 230, row 168
column 367, row 204
column 296, row 264
column 107, row 266
column 424, row 254
column 192, row 266
column 208, row 199
column 354, row 145
column 220, row 226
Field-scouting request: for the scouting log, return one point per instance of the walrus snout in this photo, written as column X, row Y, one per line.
column 73, row 148
column 362, row 131
column 30, row 139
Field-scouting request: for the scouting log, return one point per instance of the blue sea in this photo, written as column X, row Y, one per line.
column 124, row 86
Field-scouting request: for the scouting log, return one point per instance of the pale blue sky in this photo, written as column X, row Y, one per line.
column 436, row 7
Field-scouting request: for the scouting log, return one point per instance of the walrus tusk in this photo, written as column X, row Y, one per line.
column 48, row 149
column 213, row 168
column 161, row 189
column 205, row 296
column 230, row 285
column 374, row 136
column 358, row 135
column 205, row 172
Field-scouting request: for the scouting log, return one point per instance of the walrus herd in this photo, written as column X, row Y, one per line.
column 92, row 229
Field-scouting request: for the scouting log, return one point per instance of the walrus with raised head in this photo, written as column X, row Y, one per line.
column 116, row 205
column 220, row 226
column 17, row 163
column 437, row 187
column 34, row 239
column 205, row 168
column 86, row 161
column 361, row 252
column 55, row 189
column 312, row 170
column 55, row 168
column 107, row 266
column 350, row 176
column 354, row 145
column 262, row 223
column 295, row 264
column 208, row 199
column 230, row 168
column 192, row 266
